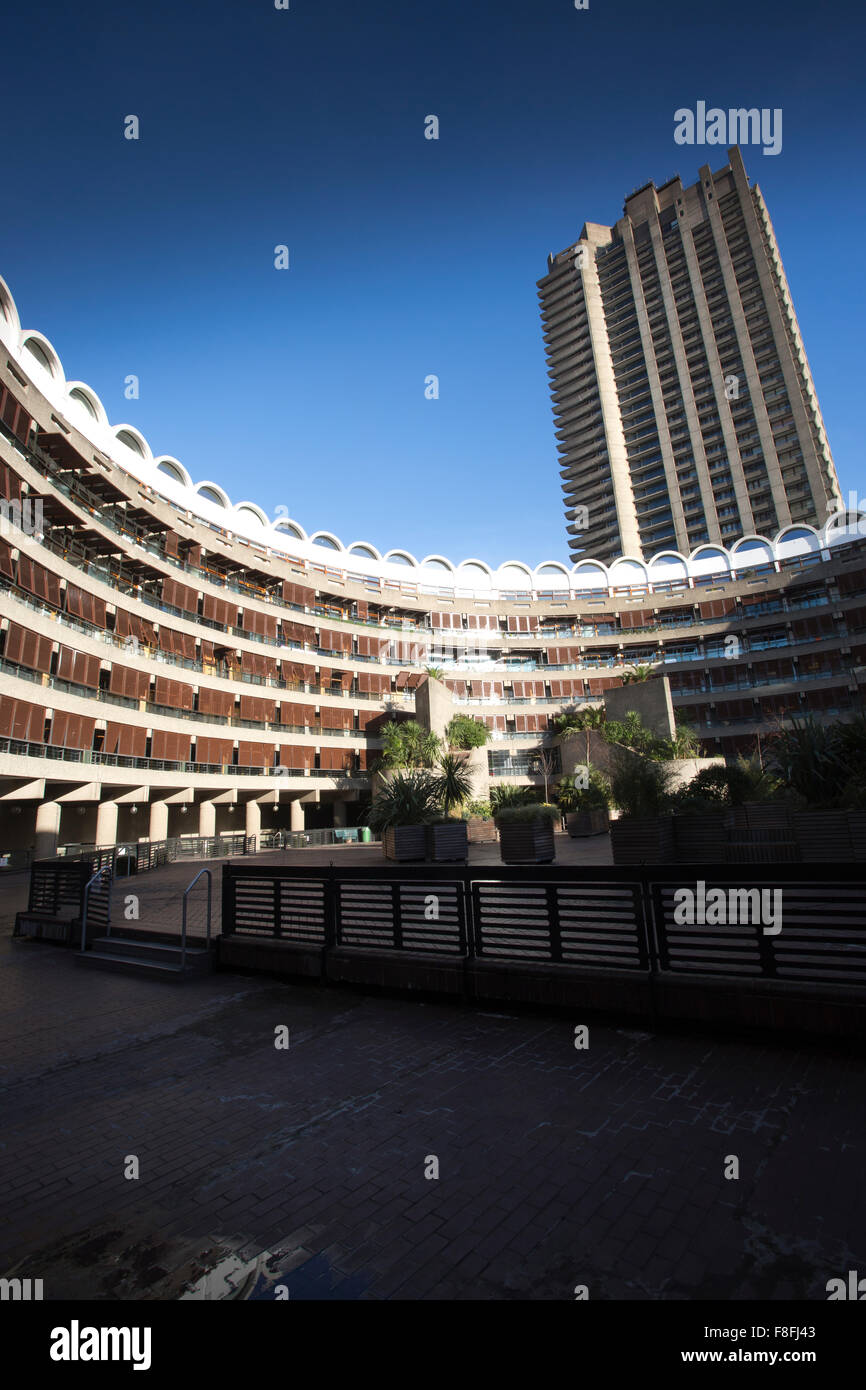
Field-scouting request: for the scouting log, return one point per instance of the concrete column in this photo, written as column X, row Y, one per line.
column 296, row 815
column 158, row 829
column 106, row 823
column 254, row 818
column 339, row 813
column 47, row 830
column 206, row 818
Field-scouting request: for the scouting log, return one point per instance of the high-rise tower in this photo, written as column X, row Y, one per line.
column 683, row 399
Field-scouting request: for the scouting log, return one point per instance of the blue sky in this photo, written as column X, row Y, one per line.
column 305, row 388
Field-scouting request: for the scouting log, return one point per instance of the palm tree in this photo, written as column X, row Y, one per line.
column 634, row 674
column 454, row 784
column 409, row 798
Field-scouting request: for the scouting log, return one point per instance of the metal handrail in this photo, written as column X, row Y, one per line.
column 100, row 873
column 201, row 873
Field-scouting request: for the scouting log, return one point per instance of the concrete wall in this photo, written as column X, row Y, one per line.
column 434, row 707
column 650, row 699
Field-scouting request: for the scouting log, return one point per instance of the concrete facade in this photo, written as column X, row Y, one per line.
column 684, row 403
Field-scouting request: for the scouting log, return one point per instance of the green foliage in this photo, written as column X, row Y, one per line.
column 406, row 745
column 408, row 798
column 454, row 783
column 577, row 720
column 813, row 759
column 464, row 732
column 435, row 673
column 571, row 796
column 478, row 810
column 530, row 811
column 640, row 786
column 748, row 781
column 684, row 744
column 635, row 674
column 510, row 795
column 632, row 733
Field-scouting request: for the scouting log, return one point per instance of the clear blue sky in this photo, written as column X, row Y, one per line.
column 305, row 388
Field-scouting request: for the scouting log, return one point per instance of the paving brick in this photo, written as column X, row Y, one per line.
column 556, row 1169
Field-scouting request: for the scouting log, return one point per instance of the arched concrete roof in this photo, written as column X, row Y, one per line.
column 31, row 339
column 133, row 433
column 173, row 468
column 247, row 518
column 77, row 392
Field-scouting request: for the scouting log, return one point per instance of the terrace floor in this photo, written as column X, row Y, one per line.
column 306, row 1166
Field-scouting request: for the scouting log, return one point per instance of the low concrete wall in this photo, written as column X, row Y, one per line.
column 774, row 1005
column 573, row 752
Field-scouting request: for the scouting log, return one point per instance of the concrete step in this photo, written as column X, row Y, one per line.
column 197, row 957
column 155, row 960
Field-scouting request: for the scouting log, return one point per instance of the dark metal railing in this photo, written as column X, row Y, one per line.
column 597, row 918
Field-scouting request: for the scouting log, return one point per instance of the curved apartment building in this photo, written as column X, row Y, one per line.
column 172, row 662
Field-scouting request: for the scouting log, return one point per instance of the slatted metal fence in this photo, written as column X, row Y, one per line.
column 625, row 919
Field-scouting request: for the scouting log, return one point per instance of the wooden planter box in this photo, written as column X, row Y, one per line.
column 582, row 823
column 762, row 833
column 701, row 838
column 526, row 842
column 448, row 842
column 857, row 832
column 823, row 836
column 481, row 831
column 642, row 839
column 402, row 842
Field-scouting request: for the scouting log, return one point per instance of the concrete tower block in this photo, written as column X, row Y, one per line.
column 434, row 706
column 651, row 699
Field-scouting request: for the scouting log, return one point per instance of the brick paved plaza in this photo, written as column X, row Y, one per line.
column 557, row 1166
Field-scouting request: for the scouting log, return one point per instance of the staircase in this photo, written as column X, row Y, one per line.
column 149, row 955
column 155, row 955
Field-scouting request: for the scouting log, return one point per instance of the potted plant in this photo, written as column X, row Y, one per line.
column 644, row 832
column 401, row 812
column 447, row 837
column 585, row 802
column 701, row 811
column 526, row 833
column 480, row 826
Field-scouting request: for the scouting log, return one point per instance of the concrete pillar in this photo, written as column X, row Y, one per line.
column 158, row 828
column 206, row 818
column 296, row 815
column 339, row 813
column 254, row 818
column 106, row 823
column 434, row 706
column 47, row 830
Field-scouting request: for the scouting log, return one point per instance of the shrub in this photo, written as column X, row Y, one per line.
column 571, row 796
column 812, row 759
column 479, row 810
column 530, row 811
column 464, row 732
column 632, row 733
column 640, row 787
column 684, row 744
column 509, row 795
column 406, row 745
column 409, row 798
